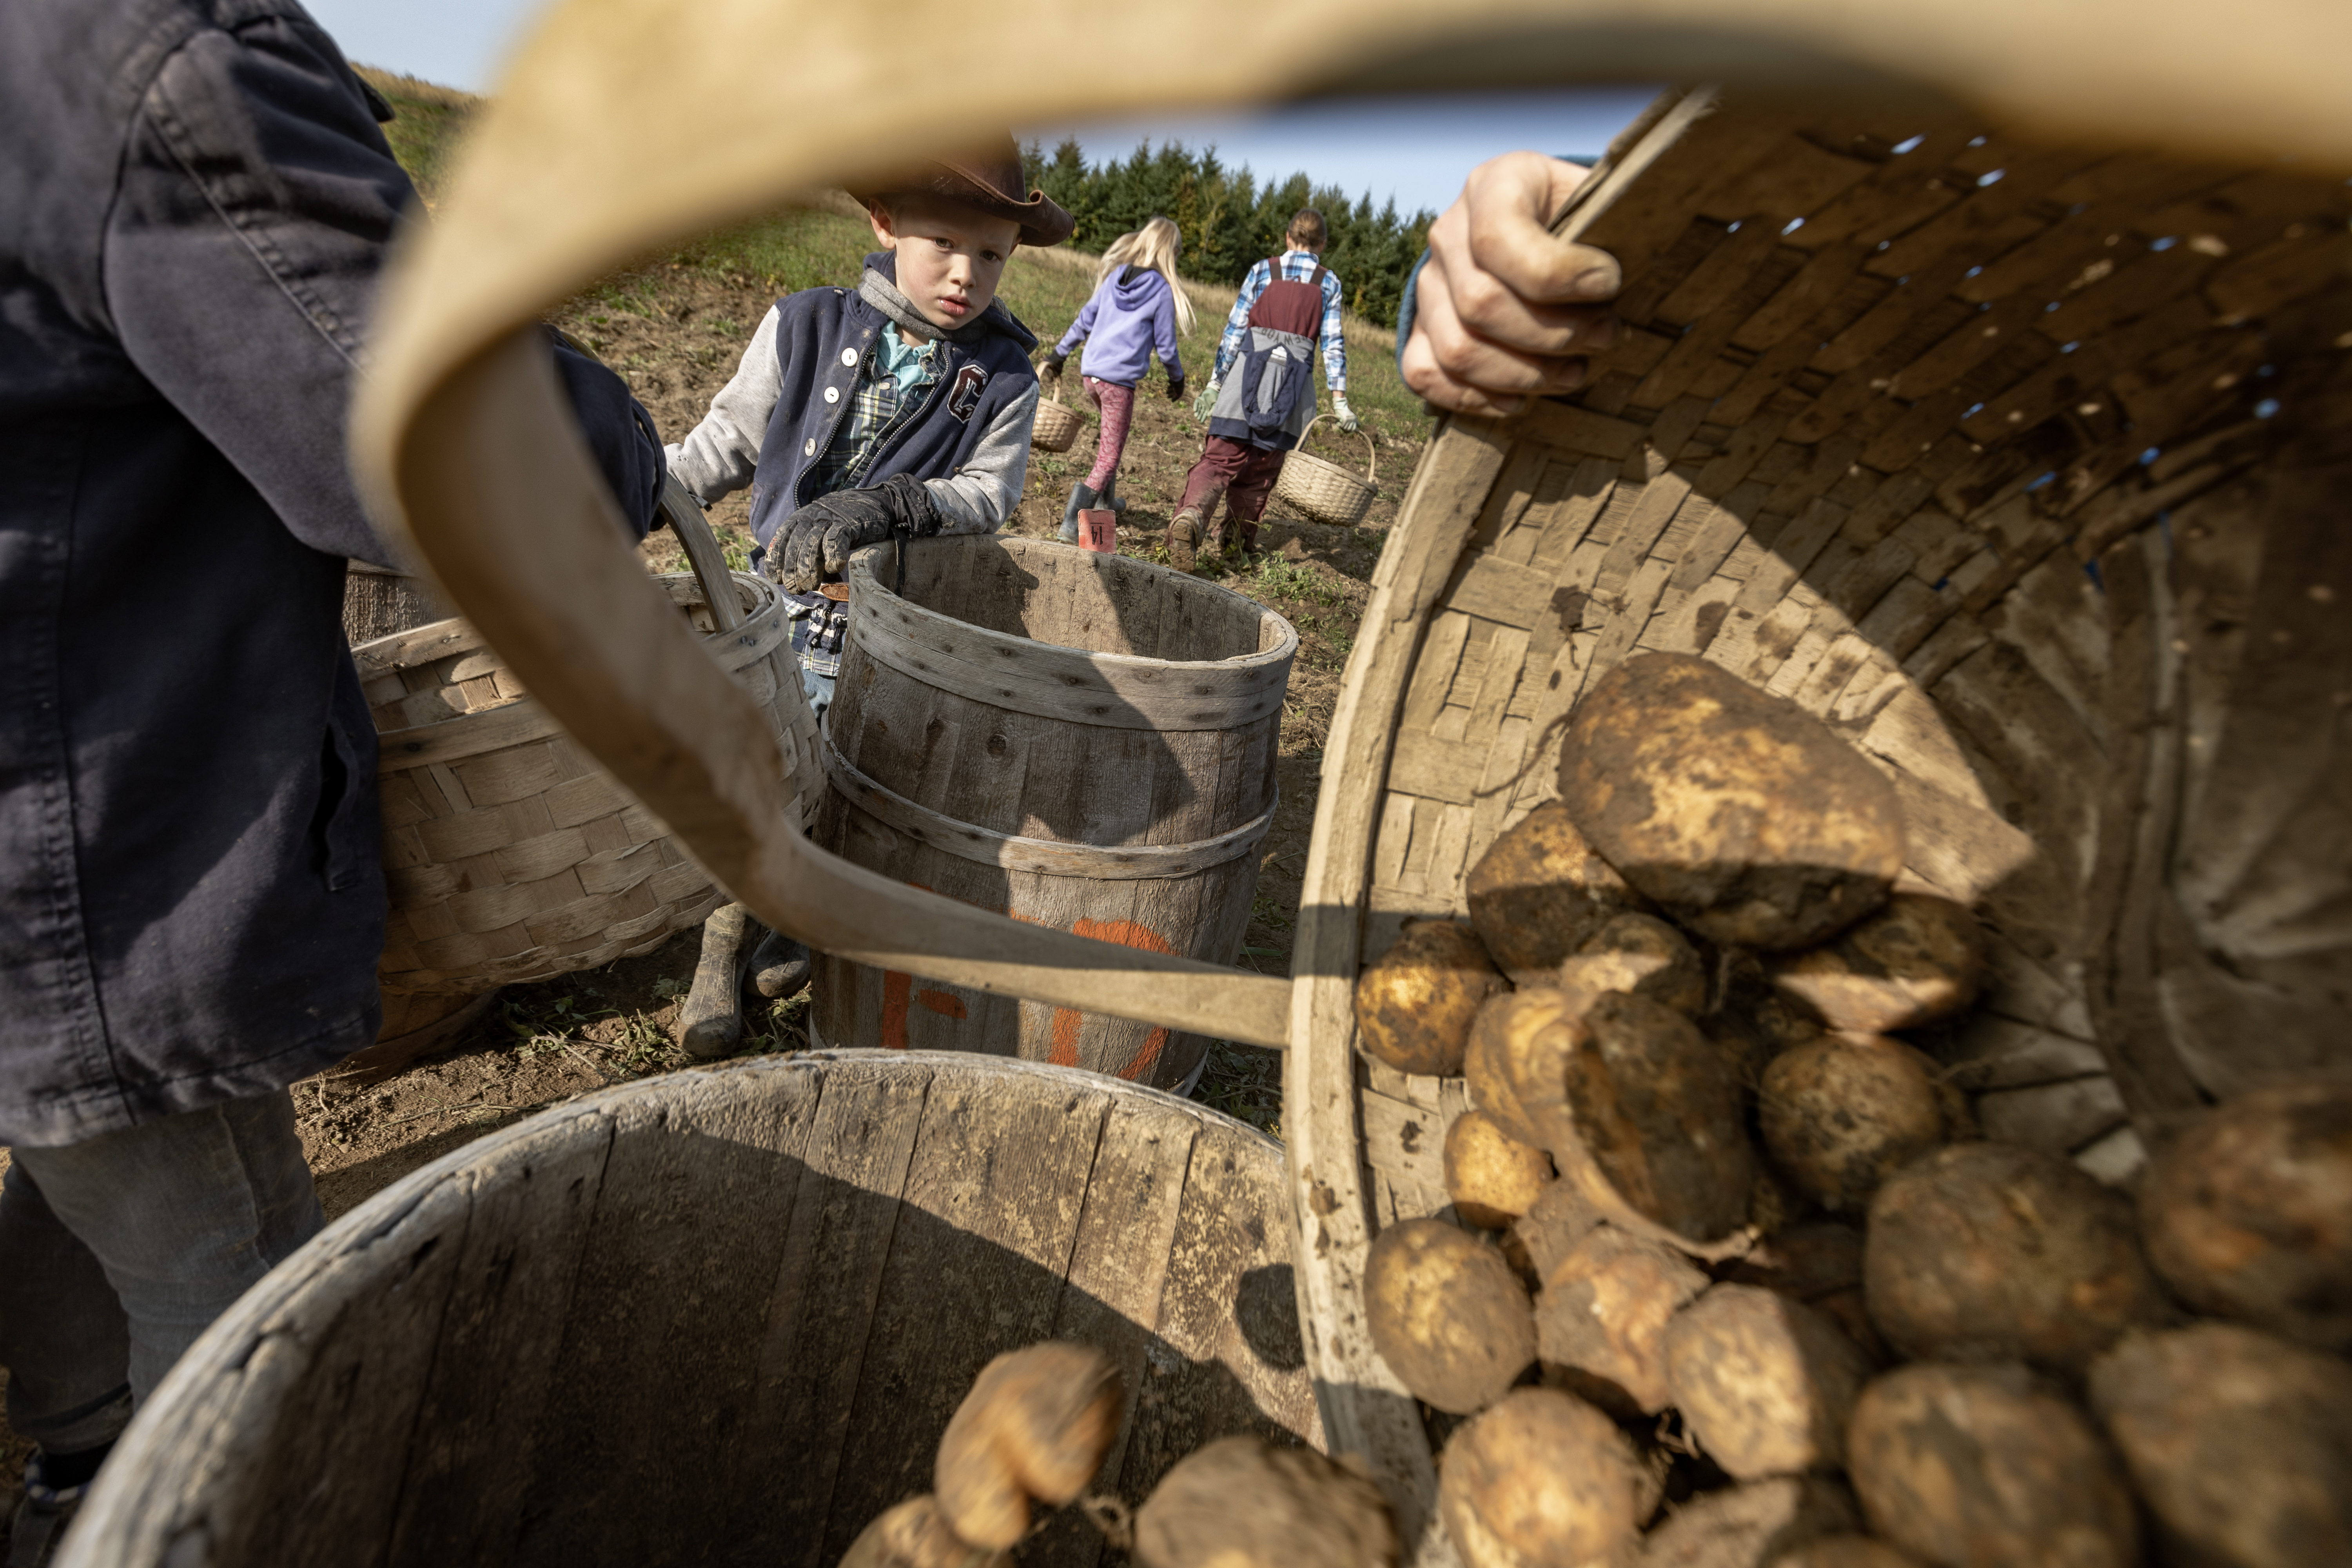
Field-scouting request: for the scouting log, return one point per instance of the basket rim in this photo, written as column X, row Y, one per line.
column 865, row 581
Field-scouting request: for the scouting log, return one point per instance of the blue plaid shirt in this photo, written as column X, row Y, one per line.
column 892, row 386
column 1298, row 267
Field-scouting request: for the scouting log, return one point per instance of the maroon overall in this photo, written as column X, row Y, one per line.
column 1244, row 474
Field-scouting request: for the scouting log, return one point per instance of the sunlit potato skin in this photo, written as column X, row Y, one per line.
column 1415, row 1003
column 1542, row 1478
column 1641, row 956
column 1241, row 1502
column 1919, row 960
column 1447, row 1314
column 1844, row 1113
column 1765, row 1382
column 1034, row 1429
column 1741, row 815
column 1539, row 891
column 1492, row 1177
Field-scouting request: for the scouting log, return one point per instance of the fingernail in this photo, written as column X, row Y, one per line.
column 1599, row 283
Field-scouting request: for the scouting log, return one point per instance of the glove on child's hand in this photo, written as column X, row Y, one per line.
column 1176, row 389
column 1052, row 365
column 1347, row 420
column 1206, row 402
column 819, row 539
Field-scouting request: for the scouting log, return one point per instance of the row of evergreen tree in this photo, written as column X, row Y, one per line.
column 1229, row 220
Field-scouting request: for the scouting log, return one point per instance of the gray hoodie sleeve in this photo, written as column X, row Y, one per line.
column 719, row 455
column 980, row 496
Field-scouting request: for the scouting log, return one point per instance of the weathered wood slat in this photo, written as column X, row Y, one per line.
column 718, row 1316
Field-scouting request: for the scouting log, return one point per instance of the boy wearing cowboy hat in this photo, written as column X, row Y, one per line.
column 899, row 408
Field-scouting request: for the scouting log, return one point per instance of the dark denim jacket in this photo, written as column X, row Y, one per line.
column 194, row 202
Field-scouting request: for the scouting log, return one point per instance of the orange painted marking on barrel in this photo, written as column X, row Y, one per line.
column 942, row 1003
column 896, row 989
column 1066, row 1020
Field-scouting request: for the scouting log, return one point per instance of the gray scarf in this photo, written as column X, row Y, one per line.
column 884, row 296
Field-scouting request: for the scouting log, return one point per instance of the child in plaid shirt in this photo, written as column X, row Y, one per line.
column 901, row 407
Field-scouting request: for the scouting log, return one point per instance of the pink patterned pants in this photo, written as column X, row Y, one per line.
column 1117, row 406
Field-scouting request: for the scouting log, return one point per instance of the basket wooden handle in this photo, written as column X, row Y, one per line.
column 703, row 555
column 1371, row 464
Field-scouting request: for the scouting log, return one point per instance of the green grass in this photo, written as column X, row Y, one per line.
column 806, row 248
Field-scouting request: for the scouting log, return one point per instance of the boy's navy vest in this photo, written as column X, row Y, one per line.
column 824, row 338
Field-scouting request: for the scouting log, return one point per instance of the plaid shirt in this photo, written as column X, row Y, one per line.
column 1298, row 267
column 892, row 386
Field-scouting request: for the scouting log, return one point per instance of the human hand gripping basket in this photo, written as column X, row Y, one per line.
column 509, row 855
column 1324, row 490
column 1057, row 425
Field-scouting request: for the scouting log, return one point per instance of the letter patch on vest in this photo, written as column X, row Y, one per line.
column 965, row 395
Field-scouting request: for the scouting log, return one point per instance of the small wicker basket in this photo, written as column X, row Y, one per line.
column 1057, row 426
column 508, row 856
column 1324, row 490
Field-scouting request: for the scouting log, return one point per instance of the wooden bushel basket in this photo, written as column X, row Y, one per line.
column 1321, row 488
column 1057, row 424
column 508, row 856
column 1083, row 740
column 2021, row 468
column 717, row 1317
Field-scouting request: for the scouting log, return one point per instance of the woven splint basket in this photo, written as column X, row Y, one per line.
column 1322, row 489
column 2020, row 466
column 1057, row 425
column 508, row 855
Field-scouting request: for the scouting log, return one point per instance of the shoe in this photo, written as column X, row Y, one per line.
column 779, row 966
column 1183, row 538
column 711, row 1023
column 1111, row 501
column 48, row 1504
column 1081, row 498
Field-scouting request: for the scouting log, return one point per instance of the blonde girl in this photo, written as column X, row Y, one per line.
column 1136, row 313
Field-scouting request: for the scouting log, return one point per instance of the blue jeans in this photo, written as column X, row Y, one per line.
column 117, row 1252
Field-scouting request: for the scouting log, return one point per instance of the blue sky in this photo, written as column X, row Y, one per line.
column 1413, row 149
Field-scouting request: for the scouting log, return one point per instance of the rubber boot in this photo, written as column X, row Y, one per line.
column 1183, row 538
column 710, row 1025
column 1110, row 500
column 779, row 966
column 1081, row 498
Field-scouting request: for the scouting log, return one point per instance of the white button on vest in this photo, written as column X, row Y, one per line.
column 808, row 447
column 833, row 395
column 849, row 356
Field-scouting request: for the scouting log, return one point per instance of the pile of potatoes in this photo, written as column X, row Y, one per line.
column 1730, row 1279
column 1034, row 1431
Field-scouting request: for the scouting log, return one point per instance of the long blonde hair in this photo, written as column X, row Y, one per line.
column 1152, row 247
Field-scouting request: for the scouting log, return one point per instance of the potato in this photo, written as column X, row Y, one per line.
column 1918, row 959
column 1660, row 1116
column 915, row 1534
column 1036, row 1425
column 1492, row 1177
column 1963, row 1466
column 1988, row 1251
column 1843, row 1113
column 1642, row 956
column 1240, row 1502
column 1549, row 1231
column 1415, row 1003
column 1765, row 1382
column 1447, row 1314
column 1516, row 1064
column 2248, row 1213
column 1541, row 1479
column 1843, row 1551
column 1539, row 891
column 1600, row 1322
column 1740, row 815
column 2240, row 1442
column 1750, row 1526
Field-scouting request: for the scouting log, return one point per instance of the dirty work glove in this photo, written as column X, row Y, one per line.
column 1052, row 363
column 819, row 539
column 1347, row 420
column 1206, row 401
column 1175, row 389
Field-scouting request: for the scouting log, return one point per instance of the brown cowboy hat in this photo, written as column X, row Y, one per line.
column 988, row 180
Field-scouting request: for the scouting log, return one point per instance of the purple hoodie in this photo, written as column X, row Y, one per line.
column 1133, row 311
